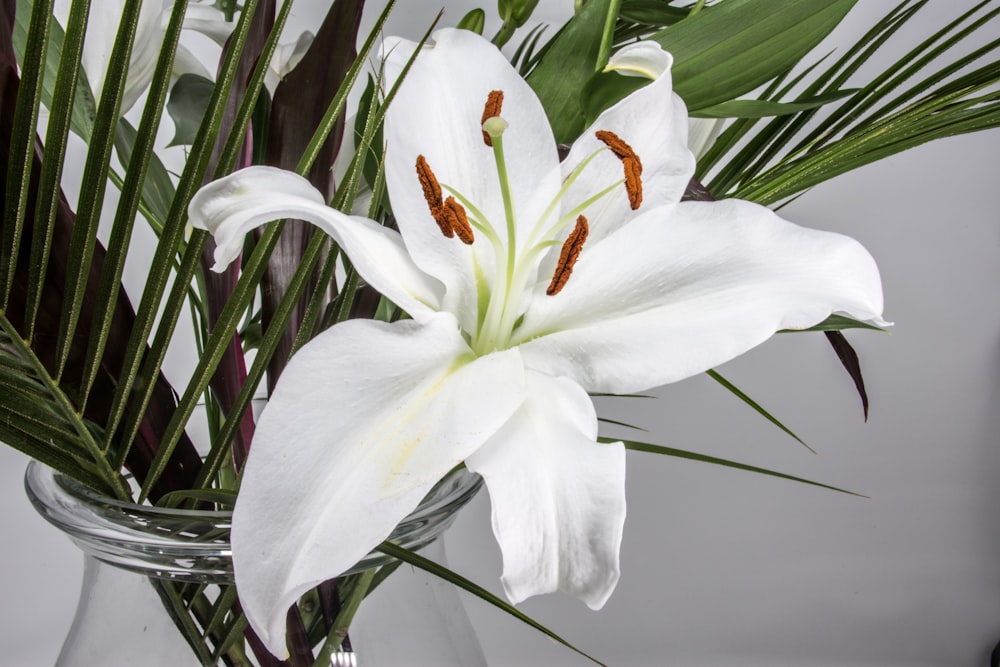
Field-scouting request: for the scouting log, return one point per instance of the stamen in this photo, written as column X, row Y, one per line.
column 630, row 163
column 567, row 258
column 494, row 103
column 428, row 183
column 621, row 149
column 458, row 221
column 633, row 181
column 432, row 195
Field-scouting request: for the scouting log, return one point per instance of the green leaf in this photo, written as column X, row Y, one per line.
column 157, row 188
column 418, row 561
column 765, row 108
column 569, row 61
column 244, row 293
column 730, row 48
column 837, row 323
column 651, row 12
column 714, row 460
column 188, row 101
column 756, row 406
column 222, row 497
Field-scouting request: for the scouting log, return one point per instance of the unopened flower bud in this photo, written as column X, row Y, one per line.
column 474, row 21
column 517, row 11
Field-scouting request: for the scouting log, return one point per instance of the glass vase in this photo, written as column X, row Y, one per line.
column 150, row 571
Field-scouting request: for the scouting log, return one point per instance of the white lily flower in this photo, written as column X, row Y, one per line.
column 102, row 26
column 647, row 59
column 531, row 284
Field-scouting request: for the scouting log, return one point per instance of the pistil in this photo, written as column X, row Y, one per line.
column 494, row 104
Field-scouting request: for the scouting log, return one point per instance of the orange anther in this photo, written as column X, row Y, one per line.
column 631, row 164
column 567, row 257
column 633, row 181
column 457, row 220
column 432, row 195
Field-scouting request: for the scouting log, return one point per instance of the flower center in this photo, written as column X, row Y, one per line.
column 500, row 306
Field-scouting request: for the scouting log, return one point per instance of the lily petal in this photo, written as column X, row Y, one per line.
column 647, row 59
column 209, row 21
column 653, row 121
column 670, row 296
column 366, row 419
column 644, row 58
column 102, row 27
column 232, row 206
column 437, row 113
column 558, row 496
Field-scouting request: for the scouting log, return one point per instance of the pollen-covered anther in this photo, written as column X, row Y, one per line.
column 428, row 183
column 633, row 181
column 432, row 195
column 458, row 221
column 631, row 164
column 567, row 257
column 494, row 104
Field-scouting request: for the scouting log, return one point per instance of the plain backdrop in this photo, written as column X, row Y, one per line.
column 722, row 567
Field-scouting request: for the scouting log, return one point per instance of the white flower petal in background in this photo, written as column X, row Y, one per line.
column 102, row 27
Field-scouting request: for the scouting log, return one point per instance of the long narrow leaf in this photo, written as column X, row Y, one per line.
column 132, row 190
column 54, row 157
column 173, row 233
column 733, row 389
column 243, row 292
column 418, row 561
column 269, row 342
column 714, row 460
column 95, row 176
column 21, row 152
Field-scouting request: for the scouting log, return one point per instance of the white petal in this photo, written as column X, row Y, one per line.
column 645, row 58
column 365, row 420
column 102, row 28
column 702, row 133
column 232, row 206
column 437, row 113
column 209, row 21
column 558, row 496
column 653, row 121
column 677, row 292
column 286, row 57
column 186, row 62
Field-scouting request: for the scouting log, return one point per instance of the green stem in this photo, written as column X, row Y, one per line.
column 340, row 624
column 607, row 38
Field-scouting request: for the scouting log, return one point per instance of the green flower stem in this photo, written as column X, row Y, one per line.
column 340, row 624
column 608, row 36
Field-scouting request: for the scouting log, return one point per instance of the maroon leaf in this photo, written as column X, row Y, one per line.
column 849, row 358
column 230, row 375
column 183, row 466
column 299, row 105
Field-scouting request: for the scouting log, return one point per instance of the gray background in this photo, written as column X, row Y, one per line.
column 729, row 568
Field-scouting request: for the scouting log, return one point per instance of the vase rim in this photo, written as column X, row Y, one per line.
column 193, row 545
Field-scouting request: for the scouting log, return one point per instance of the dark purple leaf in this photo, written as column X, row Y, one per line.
column 230, row 375
column 849, row 358
column 184, row 464
column 299, row 105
